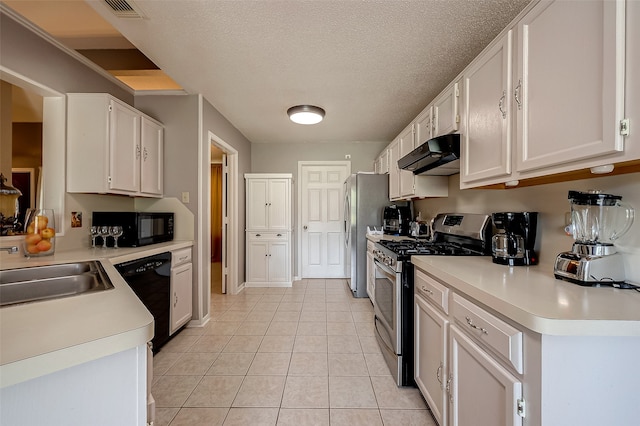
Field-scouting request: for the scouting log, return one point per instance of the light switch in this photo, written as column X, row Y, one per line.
column 185, row 197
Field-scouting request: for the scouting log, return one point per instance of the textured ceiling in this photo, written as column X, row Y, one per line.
column 372, row 65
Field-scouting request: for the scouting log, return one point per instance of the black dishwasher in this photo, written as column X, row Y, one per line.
column 150, row 280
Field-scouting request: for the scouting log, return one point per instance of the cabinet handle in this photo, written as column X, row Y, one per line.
column 145, row 154
column 501, row 104
column 258, row 235
column 426, row 290
column 439, row 374
column 472, row 325
column 448, row 388
column 516, row 94
column 175, row 302
column 137, row 152
column 279, row 235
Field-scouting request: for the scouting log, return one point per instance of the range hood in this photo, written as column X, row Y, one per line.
column 439, row 156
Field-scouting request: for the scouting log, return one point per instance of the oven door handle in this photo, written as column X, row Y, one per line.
column 385, row 271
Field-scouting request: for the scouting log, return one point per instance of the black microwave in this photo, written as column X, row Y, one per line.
column 139, row 228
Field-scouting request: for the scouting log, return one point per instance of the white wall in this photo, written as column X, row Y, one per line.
column 549, row 200
column 284, row 157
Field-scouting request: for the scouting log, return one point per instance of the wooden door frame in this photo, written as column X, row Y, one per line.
column 298, row 230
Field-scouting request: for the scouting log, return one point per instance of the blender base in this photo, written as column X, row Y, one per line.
column 589, row 270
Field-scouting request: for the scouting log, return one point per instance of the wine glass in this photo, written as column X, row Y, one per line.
column 93, row 231
column 115, row 232
column 104, row 233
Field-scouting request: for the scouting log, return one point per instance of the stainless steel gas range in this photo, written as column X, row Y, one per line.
column 454, row 234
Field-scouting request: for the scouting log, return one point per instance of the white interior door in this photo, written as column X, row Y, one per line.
column 225, row 222
column 321, row 204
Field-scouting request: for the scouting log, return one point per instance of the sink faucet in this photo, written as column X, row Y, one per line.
column 12, row 249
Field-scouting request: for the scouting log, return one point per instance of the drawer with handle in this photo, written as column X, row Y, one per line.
column 180, row 257
column 256, row 236
column 497, row 335
column 432, row 290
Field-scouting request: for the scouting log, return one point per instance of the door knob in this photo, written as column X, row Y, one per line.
column 305, row 227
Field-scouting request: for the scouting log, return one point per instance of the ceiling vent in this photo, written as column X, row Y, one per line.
column 124, row 9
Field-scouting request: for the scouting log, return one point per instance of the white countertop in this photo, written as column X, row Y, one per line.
column 532, row 297
column 42, row 337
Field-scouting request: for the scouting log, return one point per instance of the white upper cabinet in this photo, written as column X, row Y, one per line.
column 446, row 117
column 423, row 126
column 394, row 172
column 151, row 164
column 124, row 148
column 269, row 199
column 406, row 177
column 487, row 138
column 112, row 148
column 554, row 105
column 569, row 91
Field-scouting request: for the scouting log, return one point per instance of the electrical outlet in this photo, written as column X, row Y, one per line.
column 185, row 197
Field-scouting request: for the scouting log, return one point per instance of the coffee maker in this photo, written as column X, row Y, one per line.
column 514, row 242
column 396, row 220
column 597, row 220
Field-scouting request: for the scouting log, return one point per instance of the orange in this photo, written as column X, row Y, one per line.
column 43, row 245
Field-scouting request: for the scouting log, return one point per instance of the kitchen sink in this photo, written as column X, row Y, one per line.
column 41, row 283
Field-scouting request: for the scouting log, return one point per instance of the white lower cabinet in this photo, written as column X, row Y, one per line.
column 181, row 289
column 371, row 270
column 481, row 391
column 268, row 259
column 467, row 361
column 431, row 366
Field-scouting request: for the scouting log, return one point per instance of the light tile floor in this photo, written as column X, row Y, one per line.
column 304, row 355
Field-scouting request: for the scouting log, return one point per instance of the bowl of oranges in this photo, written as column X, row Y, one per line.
column 40, row 232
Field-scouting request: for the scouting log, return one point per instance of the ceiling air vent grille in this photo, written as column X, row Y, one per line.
column 124, row 9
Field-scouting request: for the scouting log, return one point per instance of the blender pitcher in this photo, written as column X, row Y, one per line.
column 598, row 219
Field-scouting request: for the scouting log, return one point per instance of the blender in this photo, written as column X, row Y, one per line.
column 597, row 220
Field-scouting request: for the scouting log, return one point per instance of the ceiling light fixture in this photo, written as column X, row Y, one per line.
column 305, row 114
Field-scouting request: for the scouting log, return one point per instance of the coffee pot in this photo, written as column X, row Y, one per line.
column 514, row 242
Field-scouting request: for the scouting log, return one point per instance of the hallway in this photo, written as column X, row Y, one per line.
column 304, row 355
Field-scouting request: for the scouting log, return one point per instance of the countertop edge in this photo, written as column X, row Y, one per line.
column 523, row 312
column 38, row 360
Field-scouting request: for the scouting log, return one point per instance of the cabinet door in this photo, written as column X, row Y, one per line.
column 384, row 161
column 431, row 332
column 570, row 89
column 371, row 275
column 445, row 112
column 279, row 269
column 257, row 261
column 394, row 172
column 257, row 204
column 423, row 126
column 407, row 179
column 151, row 167
column 482, row 392
column 486, row 143
column 124, row 148
column 278, row 209
column 181, row 293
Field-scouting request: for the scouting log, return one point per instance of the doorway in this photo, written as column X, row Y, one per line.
column 218, row 195
column 223, row 205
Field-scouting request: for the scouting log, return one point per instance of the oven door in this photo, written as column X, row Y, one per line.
column 386, row 306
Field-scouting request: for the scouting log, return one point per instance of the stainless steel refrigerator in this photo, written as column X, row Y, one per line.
column 365, row 197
